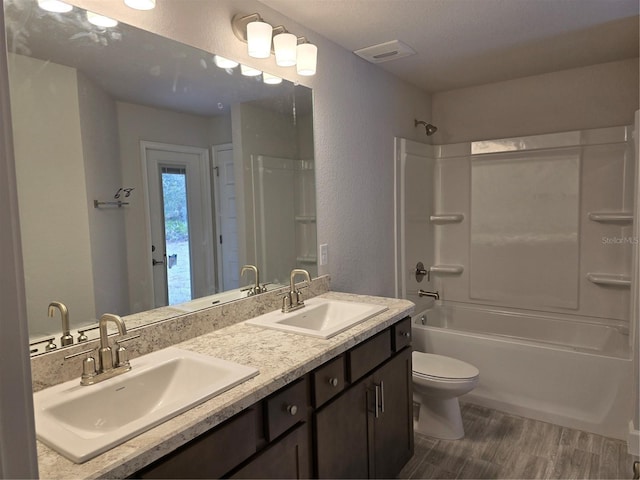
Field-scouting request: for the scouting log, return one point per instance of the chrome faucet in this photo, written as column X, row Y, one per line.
column 256, row 289
column 293, row 300
column 106, row 367
column 66, row 338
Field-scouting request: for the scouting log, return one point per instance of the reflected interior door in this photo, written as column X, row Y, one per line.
column 226, row 217
column 181, row 229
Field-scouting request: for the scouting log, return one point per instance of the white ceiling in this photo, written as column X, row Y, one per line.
column 461, row 43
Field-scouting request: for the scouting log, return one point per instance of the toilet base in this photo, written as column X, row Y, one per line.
column 439, row 417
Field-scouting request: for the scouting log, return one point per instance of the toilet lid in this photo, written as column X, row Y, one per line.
column 439, row 366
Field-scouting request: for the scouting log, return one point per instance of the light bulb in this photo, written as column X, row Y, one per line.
column 307, row 59
column 271, row 79
column 259, row 39
column 101, row 20
column 249, row 71
column 141, row 4
column 285, row 48
column 55, row 6
column 225, row 63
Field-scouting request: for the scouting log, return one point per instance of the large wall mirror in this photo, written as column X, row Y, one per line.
column 149, row 172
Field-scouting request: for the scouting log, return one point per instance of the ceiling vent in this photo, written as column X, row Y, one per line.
column 385, row 52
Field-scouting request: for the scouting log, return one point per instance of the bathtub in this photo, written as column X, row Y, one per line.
column 574, row 373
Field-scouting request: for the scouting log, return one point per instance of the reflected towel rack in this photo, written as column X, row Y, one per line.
column 447, row 269
column 610, row 279
column 611, row 217
column 444, row 218
column 118, row 204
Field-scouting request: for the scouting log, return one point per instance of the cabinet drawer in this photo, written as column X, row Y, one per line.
column 328, row 381
column 401, row 334
column 368, row 355
column 211, row 455
column 286, row 408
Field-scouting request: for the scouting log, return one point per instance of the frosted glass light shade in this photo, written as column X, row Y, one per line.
column 259, row 39
column 307, row 59
column 270, row 79
column 141, row 4
column 55, row 6
column 101, row 20
column 285, row 47
column 222, row 62
column 249, row 71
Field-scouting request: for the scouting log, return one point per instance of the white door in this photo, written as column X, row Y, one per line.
column 181, row 233
column 226, row 217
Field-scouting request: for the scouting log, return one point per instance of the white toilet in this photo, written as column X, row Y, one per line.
column 438, row 381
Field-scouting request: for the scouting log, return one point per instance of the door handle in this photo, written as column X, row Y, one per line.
column 157, row 262
column 377, row 400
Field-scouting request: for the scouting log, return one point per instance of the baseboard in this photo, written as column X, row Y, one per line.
column 633, row 442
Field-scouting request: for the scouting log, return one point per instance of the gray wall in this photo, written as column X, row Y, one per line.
column 17, row 428
column 597, row 96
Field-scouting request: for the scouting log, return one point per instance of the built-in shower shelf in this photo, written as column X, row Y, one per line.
column 623, row 218
column 305, row 218
column 609, row 279
column 445, row 218
column 447, row 269
column 307, row 259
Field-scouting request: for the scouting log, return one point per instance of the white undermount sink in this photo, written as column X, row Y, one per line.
column 81, row 422
column 320, row 317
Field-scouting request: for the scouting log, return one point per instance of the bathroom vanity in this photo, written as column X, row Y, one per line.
column 338, row 407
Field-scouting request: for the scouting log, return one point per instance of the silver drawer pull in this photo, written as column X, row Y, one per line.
column 292, row 409
column 404, row 334
column 333, row 381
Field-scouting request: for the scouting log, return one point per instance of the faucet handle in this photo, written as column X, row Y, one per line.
column 122, row 356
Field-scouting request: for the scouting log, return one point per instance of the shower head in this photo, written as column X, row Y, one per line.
column 429, row 129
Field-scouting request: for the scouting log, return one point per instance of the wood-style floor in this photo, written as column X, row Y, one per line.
column 500, row 445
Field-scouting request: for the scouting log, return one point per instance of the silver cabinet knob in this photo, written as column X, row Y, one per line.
column 405, row 334
column 333, row 381
column 292, row 409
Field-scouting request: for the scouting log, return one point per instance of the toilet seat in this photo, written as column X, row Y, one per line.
column 439, row 367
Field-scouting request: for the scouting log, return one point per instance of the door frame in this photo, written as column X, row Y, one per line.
column 206, row 255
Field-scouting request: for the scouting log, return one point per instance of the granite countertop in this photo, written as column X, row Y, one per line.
column 280, row 357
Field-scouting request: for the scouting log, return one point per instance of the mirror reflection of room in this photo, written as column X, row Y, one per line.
column 147, row 175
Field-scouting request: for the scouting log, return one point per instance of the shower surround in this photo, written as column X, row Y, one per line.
column 537, row 228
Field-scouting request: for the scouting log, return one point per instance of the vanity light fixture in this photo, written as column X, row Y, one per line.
column 141, row 4
column 271, row 79
column 259, row 38
column 224, row 63
column 285, row 44
column 289, row 49
column 249, row 71
column 55, row 6
column 307, row 59
column 101, row 20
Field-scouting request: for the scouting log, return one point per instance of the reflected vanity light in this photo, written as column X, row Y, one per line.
column 249, row 71
column 55, row 6
column 101, row 20
column 271, row 79
column 224, row 63
column 256, row 33
column 141, row 4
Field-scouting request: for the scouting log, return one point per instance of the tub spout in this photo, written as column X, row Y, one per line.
column 424, row 293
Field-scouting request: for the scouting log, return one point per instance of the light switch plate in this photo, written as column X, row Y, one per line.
column 324, row 254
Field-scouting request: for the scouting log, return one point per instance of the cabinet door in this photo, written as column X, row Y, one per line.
column 392, row 443
column 341, row 435
column 289, row 457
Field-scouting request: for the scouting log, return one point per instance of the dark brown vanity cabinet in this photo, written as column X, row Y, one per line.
column 367, row 432
column 349, row 418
